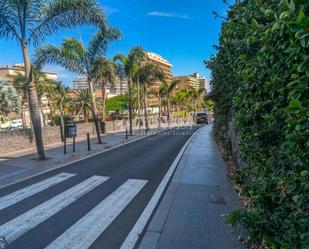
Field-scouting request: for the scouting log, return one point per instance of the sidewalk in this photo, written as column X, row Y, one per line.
column 192, row 212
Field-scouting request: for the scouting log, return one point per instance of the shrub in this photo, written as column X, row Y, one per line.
column 260, row 76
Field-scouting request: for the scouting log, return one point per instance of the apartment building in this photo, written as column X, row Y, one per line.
column 166, row 68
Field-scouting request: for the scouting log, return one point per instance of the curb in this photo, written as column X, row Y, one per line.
column 139, row 227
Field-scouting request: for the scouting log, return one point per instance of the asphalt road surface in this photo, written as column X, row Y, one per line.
column 93, row 203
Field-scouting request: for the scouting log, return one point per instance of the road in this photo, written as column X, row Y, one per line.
column 93, row 203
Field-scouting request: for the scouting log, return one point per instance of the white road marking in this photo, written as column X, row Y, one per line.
column 139, row 226
column 33, row 189
column 85, row 231
column 13, row 229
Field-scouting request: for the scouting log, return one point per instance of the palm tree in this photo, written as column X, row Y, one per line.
column 131, row 65
column 105, row 72
column 43, row 86
column 148, row 74
column 169, row 92
column 197, row 97
column 82, row 103
column 30, row 22
column 61, row 102
column 73, row 56
column 10, row 101
column 181, row 98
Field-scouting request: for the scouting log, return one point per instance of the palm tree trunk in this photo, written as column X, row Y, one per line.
column 168, row 110
column 94, row 111
column 52, row 115
column 41, row 109
column 86, row 117
column 33, row 104
column 145, row 108
column 62, row 123
column 103, row 101
column 130, row 105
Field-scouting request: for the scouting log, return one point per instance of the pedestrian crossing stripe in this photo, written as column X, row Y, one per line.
column 16, row 227
column 84, row 232
column 19, row 195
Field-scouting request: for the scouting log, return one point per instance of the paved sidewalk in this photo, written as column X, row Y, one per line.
column 192, row 212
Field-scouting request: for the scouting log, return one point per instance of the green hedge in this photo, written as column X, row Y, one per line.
column 260, row 76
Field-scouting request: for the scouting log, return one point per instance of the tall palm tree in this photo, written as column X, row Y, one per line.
column 131, row 65
column 61, row 102
column 82, row 103
column 43, row 86
column 181, row 99
column 197, row 96
column 169, row 92
column 105, row 72
column 29, row 22
column 148, row 74
column 73, row 56
column 10, row 101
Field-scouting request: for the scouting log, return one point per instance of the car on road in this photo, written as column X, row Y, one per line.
column 201, row 118
column 17, row 123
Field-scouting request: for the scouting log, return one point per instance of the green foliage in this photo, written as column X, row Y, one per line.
column 261, row 78
column 117, row 103
column 10, row 101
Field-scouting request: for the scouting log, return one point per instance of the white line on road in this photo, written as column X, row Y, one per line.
column 33, row 189
column 85, row 231
column 139, row 226
column 23, row 223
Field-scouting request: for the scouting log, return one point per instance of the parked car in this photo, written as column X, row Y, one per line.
column 201, row 118
column 16, row 123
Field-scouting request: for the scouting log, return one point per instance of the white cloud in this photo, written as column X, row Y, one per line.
column 168, row 14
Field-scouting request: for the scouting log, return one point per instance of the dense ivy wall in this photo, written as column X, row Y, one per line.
column 260, row 77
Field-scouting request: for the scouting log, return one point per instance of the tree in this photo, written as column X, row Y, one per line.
column 30, row 22
column 117, row 103
column 10, row 101
column 61, row 103
column 43, row 86
column 197, row 96
column 73, row 56
column 148, row 74
column 105, row 72
column 131, row 65
column 82, row 103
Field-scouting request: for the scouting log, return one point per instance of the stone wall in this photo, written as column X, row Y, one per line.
column 15, row 140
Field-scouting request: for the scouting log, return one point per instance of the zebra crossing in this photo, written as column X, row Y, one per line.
column 83, row 233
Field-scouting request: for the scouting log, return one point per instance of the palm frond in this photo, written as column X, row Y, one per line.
column 67, row 58
column 104, row 71
column 59, row 14
column 99, row 42
column 9, row 20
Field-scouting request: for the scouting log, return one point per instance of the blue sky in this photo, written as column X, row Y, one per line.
column 182, row 31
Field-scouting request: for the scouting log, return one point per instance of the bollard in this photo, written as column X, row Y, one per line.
column 73, row 144
column 64, row 145
column 126, row 133
column 88, row 142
